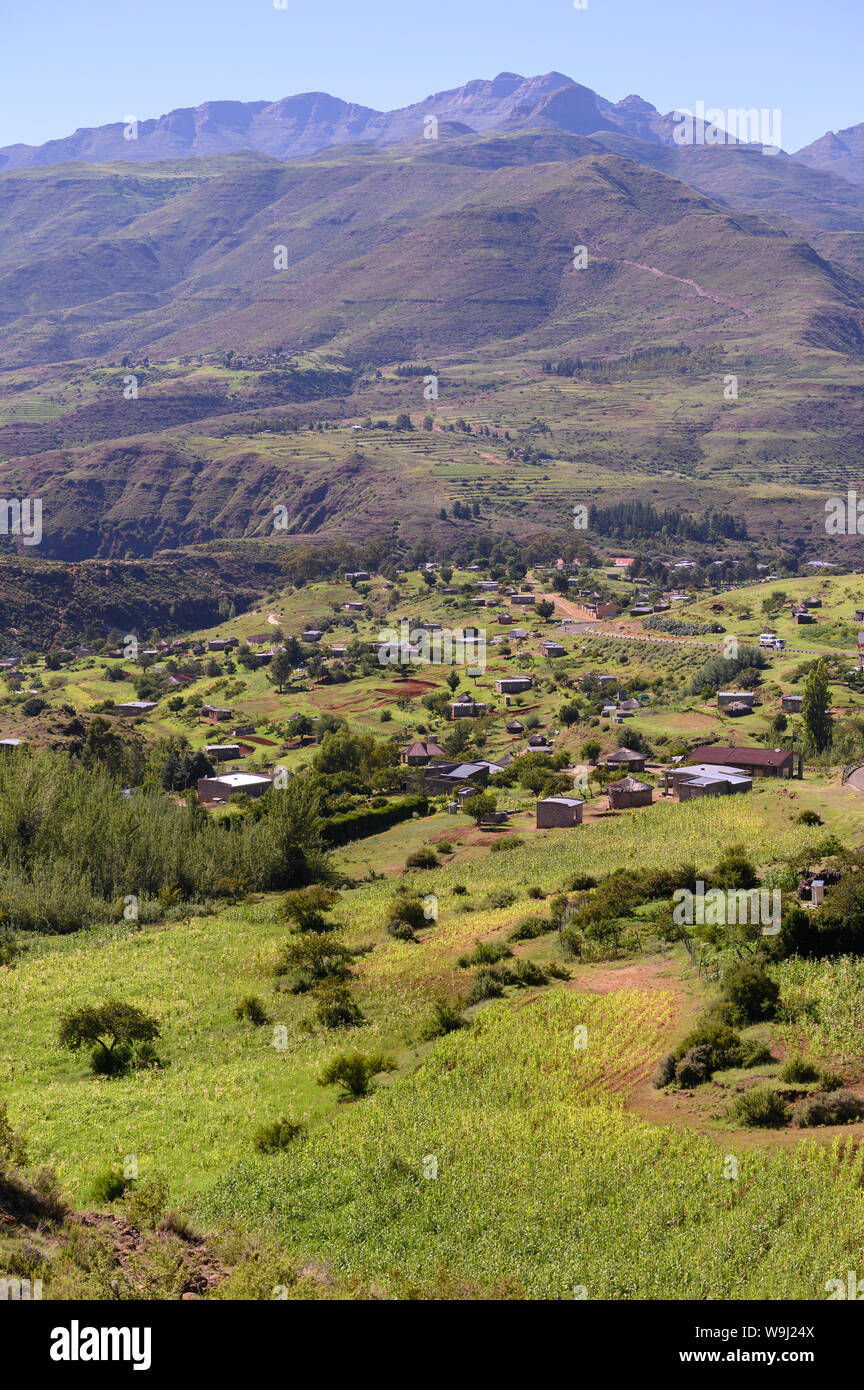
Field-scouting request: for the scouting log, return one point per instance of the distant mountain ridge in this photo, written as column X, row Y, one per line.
column 313, row 121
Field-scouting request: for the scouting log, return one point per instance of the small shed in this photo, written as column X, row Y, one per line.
column 725, row 698
column 513, row 685
column 625, row 757
column 629, row 792
column 222, row 752
column 559, row 812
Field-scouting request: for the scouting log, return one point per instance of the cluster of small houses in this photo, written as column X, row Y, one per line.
column 712, row 770
column 735, row 702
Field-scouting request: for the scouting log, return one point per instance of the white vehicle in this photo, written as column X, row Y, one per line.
column 768, row 639
column 779, row 644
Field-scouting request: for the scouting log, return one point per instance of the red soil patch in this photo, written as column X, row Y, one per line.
column 406, row 687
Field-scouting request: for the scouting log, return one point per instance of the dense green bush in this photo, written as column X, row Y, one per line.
column 760, row 1107
column 422, row 859
column 754, row 1053
column 278, row 1134
column 830, row 1080
column 108, row 1186
column 145, row 1204
column 71, row 845
column 485, row 953
column 797, row 1069
column 371, row 820
column 714, row 1033
column 251, row 1010
column 401, row 931
column 527, row 975
column 309, row 959
column 445, row 1018
column 407, row 907
column 335, row 1006
column 748, row 987
column 499, row 897
column 485, row 985
column 528, row 928
column 353, row 1071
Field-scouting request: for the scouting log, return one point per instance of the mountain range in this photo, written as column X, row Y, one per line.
column 309, row 122
column 267, row 303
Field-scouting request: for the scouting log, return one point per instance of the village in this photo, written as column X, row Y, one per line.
column 556, row 705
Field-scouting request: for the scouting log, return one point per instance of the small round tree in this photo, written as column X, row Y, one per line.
column 112, row 1029
column 353, row 1071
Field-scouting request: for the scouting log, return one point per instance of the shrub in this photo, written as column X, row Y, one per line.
column 336, row 1007
column 527, row 928
column 107, row 1186
column 753, row 1053
column 485, row 953
column 407, row 907
column 580, row 883
column 278, row 1134
column 830, row 1080
column 556, row 971
column 759, row 1108
column 748, row 987
column 499, row 897
column 252, row 1010
column 695, row 1066
column 712, row 1032
column 10, row 949
column 402, row 931
column 445, row 847
column 527, row 975
column 445, row 1018
column 353, row 1071
column 797, row 1069
column 311, row 959
column 305, row 907
column 536, row 892
column 422, row 859
column 837, row 1108
column 808, row 818
column 734, row 870
column 146, row 1204
column 485, row 985
column 665, row 1073
column 508, row 842
column 13, row 1150
column 459, row 889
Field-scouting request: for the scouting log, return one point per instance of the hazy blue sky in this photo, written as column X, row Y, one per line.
column 87, row 62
